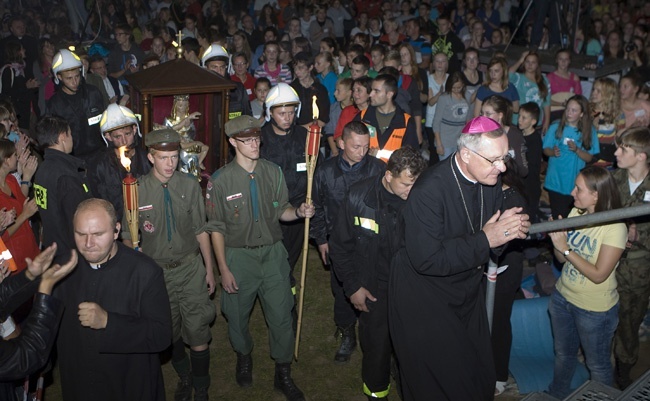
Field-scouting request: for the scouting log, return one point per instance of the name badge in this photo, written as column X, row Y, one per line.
column 384, row 154
column 639, row 113
column 147, row 207
column 94, row 120
column 646, row 196
column 233, row 197
column 249, row 92
column 301, row 167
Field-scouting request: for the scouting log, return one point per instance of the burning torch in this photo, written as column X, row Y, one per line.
column 311, row 156
column 130, row 195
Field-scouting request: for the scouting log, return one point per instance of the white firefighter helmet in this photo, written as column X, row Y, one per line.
column 213, row 51
column 65, row 60
column 281, row 95
column 116, row 116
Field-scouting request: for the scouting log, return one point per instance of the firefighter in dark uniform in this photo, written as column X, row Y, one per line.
column 81, row 105
column 245, row 201
column 332, row 180
column 362, row 244
column 284, row 143
column 60, row 184
column 173, row 227
column 216, row 59
column 119, row 126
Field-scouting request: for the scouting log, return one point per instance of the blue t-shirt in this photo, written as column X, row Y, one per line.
column 329, row 82
column 510, row 93
column 563, row 170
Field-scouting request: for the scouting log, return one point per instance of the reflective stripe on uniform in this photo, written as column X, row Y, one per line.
column 394, row 141
column 376, row 394
column 40, row 196
column 368, row 224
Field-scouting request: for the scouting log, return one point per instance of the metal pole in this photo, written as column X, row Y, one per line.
column 557, row 225
column 591, row 219
column 490, row 290
column 523, row 17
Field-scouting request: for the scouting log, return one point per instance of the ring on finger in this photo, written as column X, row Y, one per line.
column 506, row 233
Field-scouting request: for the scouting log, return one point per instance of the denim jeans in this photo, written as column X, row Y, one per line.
column 574, row 327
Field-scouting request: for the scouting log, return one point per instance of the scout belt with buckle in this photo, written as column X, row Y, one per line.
column 174, row 264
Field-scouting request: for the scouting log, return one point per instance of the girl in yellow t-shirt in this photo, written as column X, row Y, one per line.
column 584, row 305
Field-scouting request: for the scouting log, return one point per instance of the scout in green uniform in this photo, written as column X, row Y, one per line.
column 246, row 200
column 633, row 273
column 173, row 233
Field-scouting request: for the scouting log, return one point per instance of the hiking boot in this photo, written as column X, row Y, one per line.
column 201, row 394
column 244, row 373
column 184, row 388
column 348, row 343
column 284, row 383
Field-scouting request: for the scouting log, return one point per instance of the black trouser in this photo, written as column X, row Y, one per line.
column 561, row 205
column 292, row 238
column 374, row 339
column 344, row 313
column 508, row 284
column 434, row 158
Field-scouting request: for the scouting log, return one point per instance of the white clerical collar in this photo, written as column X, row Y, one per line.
column 461, row 170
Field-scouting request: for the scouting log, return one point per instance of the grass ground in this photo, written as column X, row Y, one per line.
column 316, row 373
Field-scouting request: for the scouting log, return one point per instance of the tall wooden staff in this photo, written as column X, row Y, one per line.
column 130, row 195
column 311, row 156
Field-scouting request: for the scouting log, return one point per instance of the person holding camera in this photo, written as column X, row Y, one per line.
column 634, row 51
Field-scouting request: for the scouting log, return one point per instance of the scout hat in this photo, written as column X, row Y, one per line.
column 165, row 139
column 243, row 126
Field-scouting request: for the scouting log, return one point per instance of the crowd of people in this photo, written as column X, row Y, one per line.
column 399, row 87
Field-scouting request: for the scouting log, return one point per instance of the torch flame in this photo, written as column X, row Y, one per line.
column 314, row 107
column 126, row 162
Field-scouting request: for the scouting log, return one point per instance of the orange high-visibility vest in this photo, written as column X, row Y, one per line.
column 394, row 141
column 6, row 255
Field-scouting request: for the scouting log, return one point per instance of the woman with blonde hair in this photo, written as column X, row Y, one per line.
column 326, row 72
column 569, row 145
column 608, row 118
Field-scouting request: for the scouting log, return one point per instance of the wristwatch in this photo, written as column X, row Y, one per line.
column 566, row 253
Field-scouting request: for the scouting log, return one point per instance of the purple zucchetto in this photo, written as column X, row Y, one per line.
column 480, row 125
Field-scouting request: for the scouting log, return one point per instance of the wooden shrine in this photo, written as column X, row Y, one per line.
column 152, row 94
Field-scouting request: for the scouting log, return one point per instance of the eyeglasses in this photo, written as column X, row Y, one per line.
column 496, row 162
column 250, row 140
column 239, row 64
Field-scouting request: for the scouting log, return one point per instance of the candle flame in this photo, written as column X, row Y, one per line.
column 126, row 162
column 314, row 107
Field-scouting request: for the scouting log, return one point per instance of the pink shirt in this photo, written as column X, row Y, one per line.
column 559, row 84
